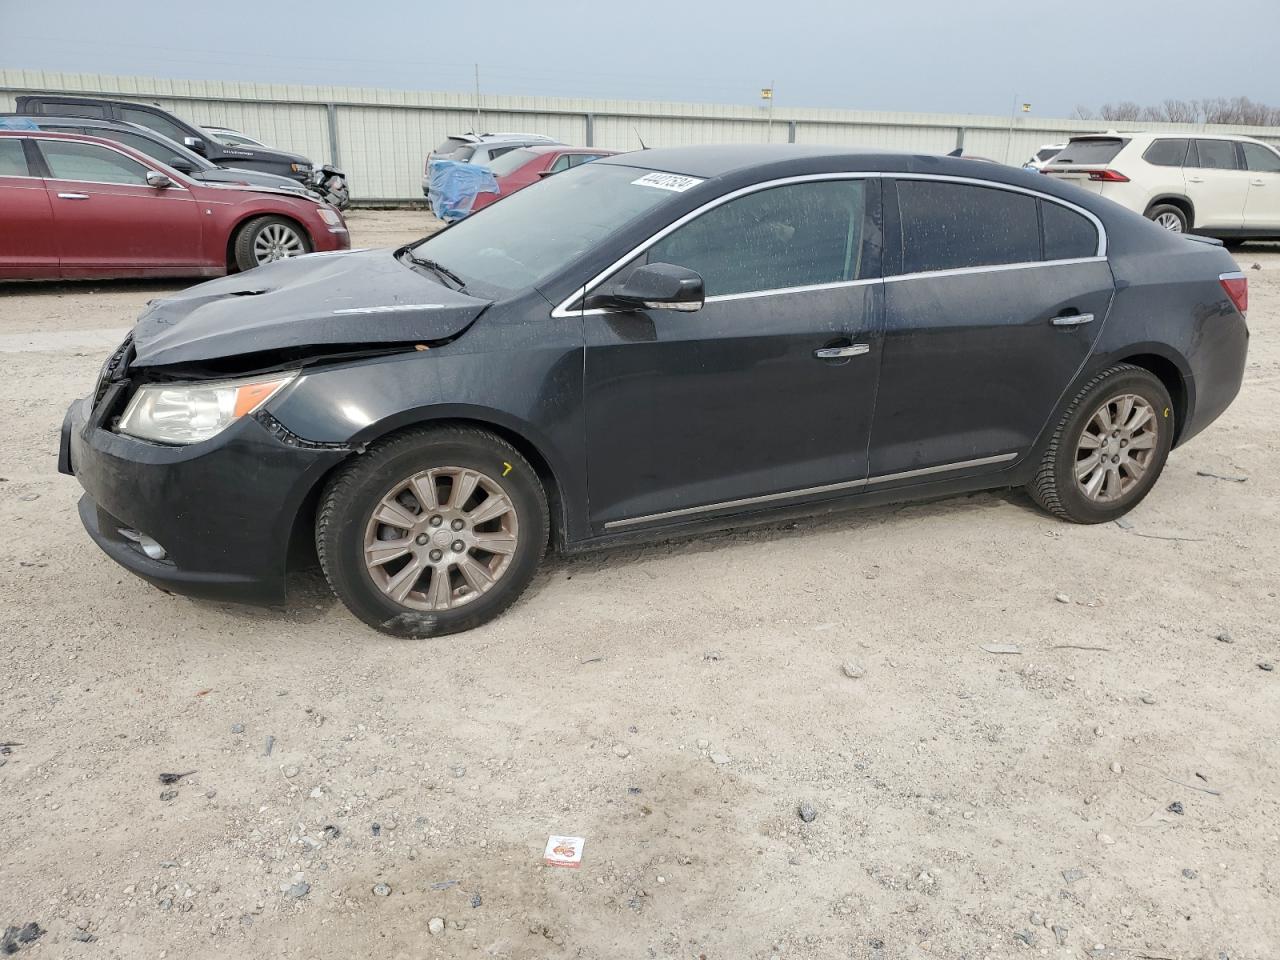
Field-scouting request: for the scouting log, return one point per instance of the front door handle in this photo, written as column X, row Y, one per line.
column 74, row 196
column 837, row 353
column 1072, row 319
column 1257, row 183
column 1195, row 179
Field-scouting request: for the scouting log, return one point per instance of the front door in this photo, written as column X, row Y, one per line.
column 1262, row 206
column 988, row 318
column 765, row 395
column 28, row 248
column 1216, row 186
column 109, row 219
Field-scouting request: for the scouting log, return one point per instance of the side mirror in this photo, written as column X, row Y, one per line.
column 194, row 143
column 158, row 180
column 181, row 164
column 660, row 286
column 547, row 173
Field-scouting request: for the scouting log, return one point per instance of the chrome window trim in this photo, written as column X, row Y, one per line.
column 108, row 183
column 808, row 491
column 562, row 310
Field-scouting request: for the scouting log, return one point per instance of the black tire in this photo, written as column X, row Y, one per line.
column 1167, row 210
column 1054, row 486
column 247, row 238
column 349, row 499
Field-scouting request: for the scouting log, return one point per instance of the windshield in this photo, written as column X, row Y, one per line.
column 543, row 228
column 510, row 162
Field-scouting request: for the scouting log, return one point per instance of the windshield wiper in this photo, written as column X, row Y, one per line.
column 437, row 268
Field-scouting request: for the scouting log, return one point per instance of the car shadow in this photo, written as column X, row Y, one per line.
column 59, row 288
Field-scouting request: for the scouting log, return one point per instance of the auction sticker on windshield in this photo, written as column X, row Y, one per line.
column 667, row 181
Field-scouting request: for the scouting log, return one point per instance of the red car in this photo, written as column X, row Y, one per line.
column 519, row 168
column 85, row 207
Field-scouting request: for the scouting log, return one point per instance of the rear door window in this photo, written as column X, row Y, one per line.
column 1217, row 154
column 798, row 235
column 1167, row 153
column 1090, row 150
column 88, row 162
column 1067, row 234
column 13, row 161
column 1260, row 158
column 950, row 226
column 562, row 163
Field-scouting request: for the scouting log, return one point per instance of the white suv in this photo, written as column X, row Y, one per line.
column 1214, row 184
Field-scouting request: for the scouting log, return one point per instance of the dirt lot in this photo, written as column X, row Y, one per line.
column 673, row 705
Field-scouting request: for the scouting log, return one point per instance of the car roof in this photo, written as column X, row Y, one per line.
column 775, row 159
column 1164, row 135
column 542, row 149
column 69, row 98
column 40, row 119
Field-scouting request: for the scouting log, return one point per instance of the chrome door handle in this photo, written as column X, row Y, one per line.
column 1072, row 319
column 835, row 353
column 74, row 196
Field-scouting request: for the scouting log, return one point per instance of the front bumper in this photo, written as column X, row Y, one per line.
column 223, row 510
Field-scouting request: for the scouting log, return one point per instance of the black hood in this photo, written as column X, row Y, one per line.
column 357, row 299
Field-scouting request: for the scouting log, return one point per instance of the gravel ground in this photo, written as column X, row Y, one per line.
column 1112, row 790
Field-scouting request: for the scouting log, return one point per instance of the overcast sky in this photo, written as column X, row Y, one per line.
column 974, row 56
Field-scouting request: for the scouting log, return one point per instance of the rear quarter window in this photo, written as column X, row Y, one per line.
column 949, row 226
column 1067, row 234
column 1090, row 150
column 1167, row 153
column 1261, row 159
column 13, row 160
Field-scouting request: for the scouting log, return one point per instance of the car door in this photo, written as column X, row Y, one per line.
column 765, row 394
column 1216, row 186
column 1262, row 205
column 28, row 245
column 108, row 218
column 988, row 318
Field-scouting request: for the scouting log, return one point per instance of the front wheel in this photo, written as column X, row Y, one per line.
column 265, row 239
column 433, row 531
column 1110, row 445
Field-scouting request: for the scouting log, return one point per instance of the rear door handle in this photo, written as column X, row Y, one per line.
column 1072, row 319
column 1257, row 183
column 74, row 196
column 1195, row 179
column 835, row 353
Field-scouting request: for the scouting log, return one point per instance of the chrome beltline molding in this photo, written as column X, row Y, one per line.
column 562, row 310
column 809, row 491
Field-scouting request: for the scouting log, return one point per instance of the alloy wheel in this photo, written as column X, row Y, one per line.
column 276, row 241
column 1170, row 221
column 1116, row 447
column 441, row 538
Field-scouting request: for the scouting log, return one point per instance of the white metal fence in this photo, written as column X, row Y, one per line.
column 381, row 137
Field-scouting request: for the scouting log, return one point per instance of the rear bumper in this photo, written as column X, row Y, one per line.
column 222, row 510
column 1217, row 371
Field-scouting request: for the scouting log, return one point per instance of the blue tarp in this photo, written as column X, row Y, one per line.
column 18, row 123
column 454, row 186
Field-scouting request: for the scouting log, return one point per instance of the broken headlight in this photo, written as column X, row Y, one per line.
column 191, row 412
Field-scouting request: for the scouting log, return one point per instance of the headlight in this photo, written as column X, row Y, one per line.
column 300, row 167
column 330, row 216
column 191, row 412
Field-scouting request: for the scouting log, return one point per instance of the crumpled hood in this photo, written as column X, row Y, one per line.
column 355, row 299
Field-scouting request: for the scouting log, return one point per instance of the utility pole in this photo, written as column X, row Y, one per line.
column 477, row 120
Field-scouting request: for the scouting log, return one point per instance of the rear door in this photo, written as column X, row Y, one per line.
column 993, row 299
column 28, row 245
column 109, row 219
column 1216, row 185
column 1262, row 206
column 763, row 396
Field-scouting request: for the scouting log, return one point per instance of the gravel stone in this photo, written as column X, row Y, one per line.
column 853, row 671
column 435, row 926
column 381, row 890
column 807, row 811
column 620, row 750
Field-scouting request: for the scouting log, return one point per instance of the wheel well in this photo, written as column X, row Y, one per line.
column 1182, row 203
column 1169, row 375
column 240, row 225
column 302, row 537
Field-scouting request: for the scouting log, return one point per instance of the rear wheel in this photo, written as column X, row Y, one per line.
column 1109, row 447
column 265, row 239
column 1169, row 217
column 434, row 531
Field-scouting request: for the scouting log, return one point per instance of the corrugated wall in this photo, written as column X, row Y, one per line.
column 382, row 136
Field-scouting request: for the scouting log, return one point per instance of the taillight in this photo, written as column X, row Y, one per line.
column 1108, row 176
column 1237, row 287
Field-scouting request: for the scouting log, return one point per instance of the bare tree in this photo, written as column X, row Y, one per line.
column 1085, row 113
column 1230, row 111
column 1125, row 110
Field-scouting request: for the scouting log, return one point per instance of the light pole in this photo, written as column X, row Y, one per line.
column 766, row 94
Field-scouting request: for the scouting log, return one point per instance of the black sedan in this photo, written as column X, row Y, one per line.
column 642, row 346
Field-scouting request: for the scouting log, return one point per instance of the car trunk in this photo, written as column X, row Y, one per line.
column 1085, row 162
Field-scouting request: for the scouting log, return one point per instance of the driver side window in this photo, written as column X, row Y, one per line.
column 796, row 235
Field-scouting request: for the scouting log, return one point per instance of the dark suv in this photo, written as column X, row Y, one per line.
column 289, row 165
